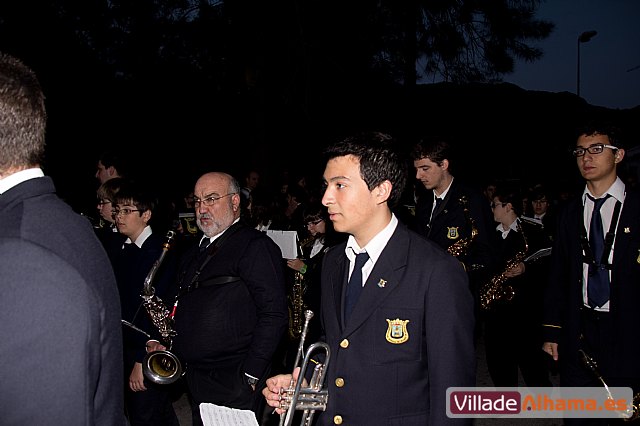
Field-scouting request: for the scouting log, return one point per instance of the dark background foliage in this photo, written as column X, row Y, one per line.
column 182, row 87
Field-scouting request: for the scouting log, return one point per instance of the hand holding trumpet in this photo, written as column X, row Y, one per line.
column 275, row 388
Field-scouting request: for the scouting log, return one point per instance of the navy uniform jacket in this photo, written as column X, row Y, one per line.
column 449, row 223
column 564, row 294
column 376, row 377
column 60, row 333
column 132, row 265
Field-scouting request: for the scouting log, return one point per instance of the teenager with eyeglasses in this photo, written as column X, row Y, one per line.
column 146, row 403
column 592, row 300
column 512, row 332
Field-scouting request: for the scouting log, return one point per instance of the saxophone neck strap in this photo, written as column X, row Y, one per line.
column 211, row 251
column 608, row 241
column 207, row 283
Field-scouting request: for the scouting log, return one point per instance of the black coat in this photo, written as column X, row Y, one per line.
column 60, row 337
column 564, row 294
column 240, row 321
column 449, row 223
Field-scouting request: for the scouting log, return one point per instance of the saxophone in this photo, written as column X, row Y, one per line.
column 495, row 289
column 297, row 306
column 461, row 246
column 161, row 367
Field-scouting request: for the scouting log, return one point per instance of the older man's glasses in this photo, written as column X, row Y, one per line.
column 209, row 201
column 593, row 149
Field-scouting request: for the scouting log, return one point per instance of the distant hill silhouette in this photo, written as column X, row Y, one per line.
column 503, row 131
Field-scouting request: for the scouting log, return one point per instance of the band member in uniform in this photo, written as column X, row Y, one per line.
column 511, row 301
column 411, row 328
column 593, row 293
column 452, row 214
column 231, row 309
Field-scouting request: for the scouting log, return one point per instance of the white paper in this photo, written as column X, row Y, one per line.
column 287, row 241
column 218, row 415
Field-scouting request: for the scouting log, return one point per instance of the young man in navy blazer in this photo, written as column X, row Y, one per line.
column 410, row 333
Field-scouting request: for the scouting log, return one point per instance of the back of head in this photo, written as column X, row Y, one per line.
column 109, row 189
column 23, row 116
column 379, row 158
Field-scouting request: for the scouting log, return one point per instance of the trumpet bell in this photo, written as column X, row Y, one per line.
column 161, row 367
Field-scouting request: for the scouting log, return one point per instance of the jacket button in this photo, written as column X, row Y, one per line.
column 337, row 420
column 344, row 344
column 339, row 382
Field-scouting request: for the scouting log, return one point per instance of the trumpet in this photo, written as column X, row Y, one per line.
column 161, row 367
column 311, row 398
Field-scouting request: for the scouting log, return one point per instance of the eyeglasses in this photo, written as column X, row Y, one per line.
column 593, row 149
column 314, row 222
column 103, row 202
column 124, row 212
column 494, row 205
column 542, row 201
column 209, row 201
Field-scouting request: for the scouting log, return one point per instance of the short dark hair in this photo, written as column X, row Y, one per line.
column 109, row 158
column 510, row 193
column 137, row 194
column 435, row 149
column 379, row 160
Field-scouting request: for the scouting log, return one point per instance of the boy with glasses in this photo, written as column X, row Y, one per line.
column 592, row 298
column 146, row 403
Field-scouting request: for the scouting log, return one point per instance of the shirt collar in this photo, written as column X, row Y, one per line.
column 616, row 191
column 19, row 177
column 141, row 238
column 376, row 245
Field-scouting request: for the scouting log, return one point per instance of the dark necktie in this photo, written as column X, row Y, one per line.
column 436, row 203
column 598, row 281
column 204, row 243
column 354, row 287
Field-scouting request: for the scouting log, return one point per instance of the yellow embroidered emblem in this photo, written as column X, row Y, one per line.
column 452, row 233
column 627, row 230
column 382, row 283
column 397, row 331
column 638, row 258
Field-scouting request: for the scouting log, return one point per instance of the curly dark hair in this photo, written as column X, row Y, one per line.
column 601, row 127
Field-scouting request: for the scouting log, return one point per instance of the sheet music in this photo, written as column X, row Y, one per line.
column 218, row 415
column 287, row 241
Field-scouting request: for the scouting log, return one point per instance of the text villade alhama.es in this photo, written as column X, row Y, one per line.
column 540, row 402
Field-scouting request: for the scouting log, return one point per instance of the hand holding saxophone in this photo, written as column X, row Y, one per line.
column 295, row 264
column 515, row 270
column 154, row 345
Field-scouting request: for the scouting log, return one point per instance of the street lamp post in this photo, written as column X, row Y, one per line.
column 582, row 38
